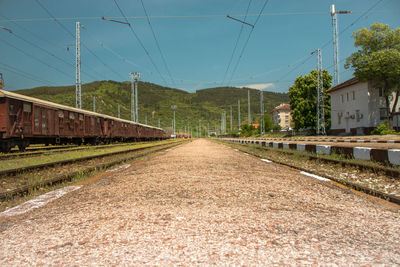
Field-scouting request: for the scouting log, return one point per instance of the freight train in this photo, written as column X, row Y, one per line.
column 26, row 120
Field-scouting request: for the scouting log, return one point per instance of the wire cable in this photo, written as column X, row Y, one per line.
column 140, row 42
column 73, row 36
column 24, row 74
column 190, row 16
column 41, row 61
column 158, row 45
column 247, row 41
column 237, row 42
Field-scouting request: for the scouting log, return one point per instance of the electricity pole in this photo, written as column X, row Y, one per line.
column 173, row 123
column 135, row 78
column 119, row 111
column 231, row 119
column 248, row 106
column 336, row 43
column 94, row 103
column 239, row 115
column 262, row 112
column 200, row 127
column 78, row 86
column 320, row 95
column 133, row 109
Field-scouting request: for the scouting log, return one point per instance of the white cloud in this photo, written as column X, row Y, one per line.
column 259, row 86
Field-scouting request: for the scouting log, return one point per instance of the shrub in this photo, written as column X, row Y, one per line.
column 383, row 129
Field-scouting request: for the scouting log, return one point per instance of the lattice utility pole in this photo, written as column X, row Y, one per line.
column 173, row 121
column 78, row 87
column 200, row 128
column 248, row 107
column 262, row 112
column 135, row 78
column 336, row 43
column 133, row 109
column 320, row 95
column 231, row 118
column 239, row 115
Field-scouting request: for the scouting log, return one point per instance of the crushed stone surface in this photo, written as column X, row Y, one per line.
column 203, row 203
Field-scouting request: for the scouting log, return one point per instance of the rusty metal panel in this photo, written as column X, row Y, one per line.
column 27, row 119
column 3, row 117
column 36, row 120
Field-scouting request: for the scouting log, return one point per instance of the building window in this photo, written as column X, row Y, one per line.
column 354, row 95
column 342, row 98
column 380, row 92
column 347, row 97
column 383, row 113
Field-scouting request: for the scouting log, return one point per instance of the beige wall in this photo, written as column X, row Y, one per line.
column 282, row 117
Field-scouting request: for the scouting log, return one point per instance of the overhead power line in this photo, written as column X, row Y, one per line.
column 158, row 44
column 73, row 36
column 34, row 57
column 247, row 41
column 189, row 16
column 24, row 74
column 47, row 41
column 236, row 44
column 140, row 42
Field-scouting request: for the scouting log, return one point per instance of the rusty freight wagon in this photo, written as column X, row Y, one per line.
column 26, row 120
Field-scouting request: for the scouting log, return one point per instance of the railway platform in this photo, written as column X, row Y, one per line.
column 204, row 203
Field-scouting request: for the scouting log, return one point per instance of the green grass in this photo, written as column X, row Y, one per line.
column 67, row 155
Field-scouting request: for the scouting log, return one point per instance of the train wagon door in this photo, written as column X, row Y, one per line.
column 81, row 127
column 37, row 117
column 44, row 122
column 50, row 122
column 27, row 119
column 105, row 128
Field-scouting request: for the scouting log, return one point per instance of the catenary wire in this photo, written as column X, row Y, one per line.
column 158, row 44
column 237, row 42
column 140, row 42
column 247, row 41
column 73, row 36
column 187, row 16
column 24, row 74
column 34, row 57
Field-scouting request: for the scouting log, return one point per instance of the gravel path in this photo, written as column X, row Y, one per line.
column 202, row 204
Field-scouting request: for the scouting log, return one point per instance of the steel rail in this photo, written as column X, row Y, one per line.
column 69, row 161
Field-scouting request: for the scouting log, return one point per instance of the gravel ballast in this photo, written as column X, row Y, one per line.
column 203, row 203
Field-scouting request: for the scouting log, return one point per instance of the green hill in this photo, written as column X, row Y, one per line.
column 155, row 102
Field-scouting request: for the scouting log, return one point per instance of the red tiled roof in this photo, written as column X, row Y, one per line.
column 281, row 107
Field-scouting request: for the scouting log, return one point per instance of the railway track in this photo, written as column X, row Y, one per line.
column 390, row 173
column 86, row 165
column 59, row 150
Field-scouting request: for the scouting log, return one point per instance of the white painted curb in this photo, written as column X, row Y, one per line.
column 301, row 147
column 322, row 149
column 286, row 145
column 394, row 156
column 315, row 176
column 363, row 153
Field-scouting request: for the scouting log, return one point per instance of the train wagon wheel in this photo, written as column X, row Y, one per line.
column 6, row 147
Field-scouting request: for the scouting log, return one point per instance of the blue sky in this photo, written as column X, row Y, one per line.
column 195, row 37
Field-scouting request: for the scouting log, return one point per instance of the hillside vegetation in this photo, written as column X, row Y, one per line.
column 155, row 102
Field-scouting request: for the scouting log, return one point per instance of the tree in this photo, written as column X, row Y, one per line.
column 378, row 61
column 268, row 124
column 303, row 100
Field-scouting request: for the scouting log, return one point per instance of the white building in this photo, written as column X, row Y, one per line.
column 357, row 108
